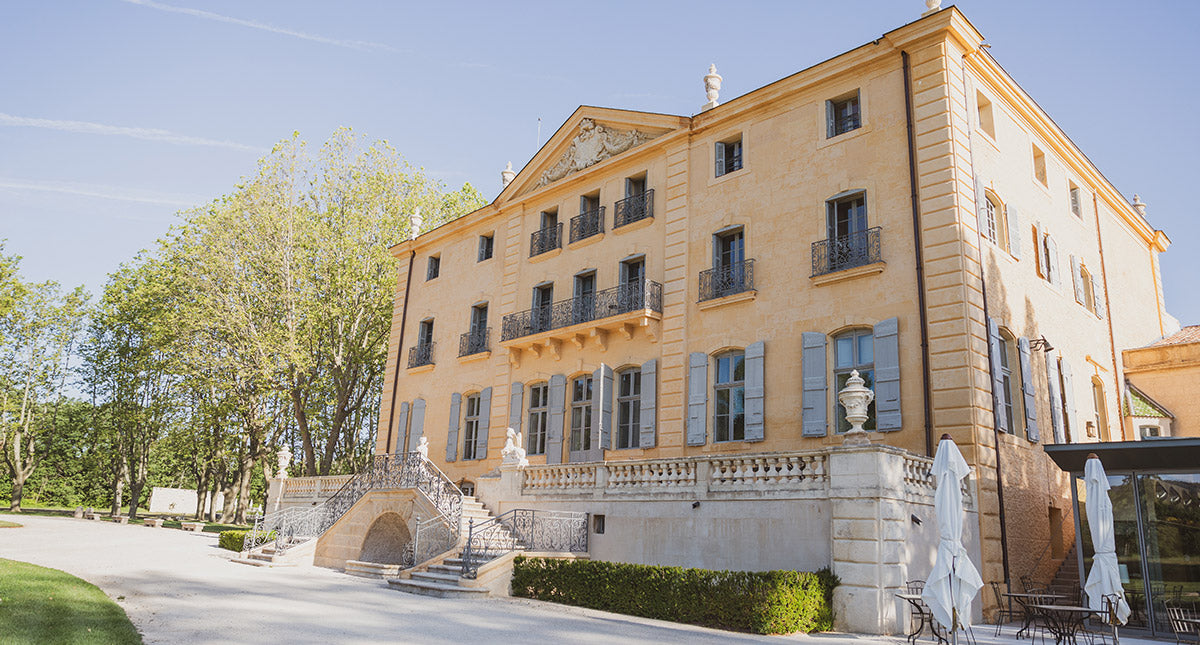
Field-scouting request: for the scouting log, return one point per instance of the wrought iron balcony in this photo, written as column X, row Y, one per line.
column 474, row 341
column 585, row 225
column 846, row 252
column 634, row 208
column 547, row 239
column 727, row 280
column 635, row 297
column 420, row 354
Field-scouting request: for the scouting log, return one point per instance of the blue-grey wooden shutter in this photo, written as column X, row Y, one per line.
column 1031, row 420
column 515, row 395
column 602, row 408
column 1052, row 262
column 649, row 407
column 1072, row 422
column 697, row 421
column 997, row 348
column 1098, row 297
column 485, row 423
column 416, row 425
column 452, row 431
column 755, row 413
column 719, row 156
column 815, row 403
column 1077, row 276
column 1056, row 406
column 887, row 375
column 554, row 431
column 401, row 426
column 1014, row 232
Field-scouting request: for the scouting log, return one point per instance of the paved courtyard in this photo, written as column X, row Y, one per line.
column 180, row 587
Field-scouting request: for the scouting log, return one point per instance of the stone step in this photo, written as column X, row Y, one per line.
column 437, row 576
column 436, row 589
column 371, row 569
column 445, row 568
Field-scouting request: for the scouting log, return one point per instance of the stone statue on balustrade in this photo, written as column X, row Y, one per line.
column 423, row 448
column 513, row 454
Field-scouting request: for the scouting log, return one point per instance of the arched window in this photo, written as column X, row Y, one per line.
column 471, row 426
column 1011, row 414
column 629, row 407
column 853, row 350
column 729, row 395
column 539, row 415
column 995, row 221
column 581, row 413
column 1101, row 408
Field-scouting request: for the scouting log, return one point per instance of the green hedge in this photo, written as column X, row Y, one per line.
column 766, row 602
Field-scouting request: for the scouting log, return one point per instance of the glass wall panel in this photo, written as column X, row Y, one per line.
column 1170, row 508
column 1125, row 532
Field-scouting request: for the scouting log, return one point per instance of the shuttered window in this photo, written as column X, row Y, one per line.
column 471, row 427
column 539, row 417
column 854, row 350
column 629, row 407
column 729, row 397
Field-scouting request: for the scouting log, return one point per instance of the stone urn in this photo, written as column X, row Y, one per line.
column 285, row 458
column 856, row 398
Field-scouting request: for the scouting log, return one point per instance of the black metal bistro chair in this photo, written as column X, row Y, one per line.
column 1004, row 608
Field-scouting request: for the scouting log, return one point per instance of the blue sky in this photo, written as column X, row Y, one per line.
column 114, row 114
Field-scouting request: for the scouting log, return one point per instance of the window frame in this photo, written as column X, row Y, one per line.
column 985, row 118
column 425, row 332
column 628, row 426
column 725, row 163
column 471, row 416
column 539, row 418
column 727, row 431
column 487, row 247
column 831, row 114
column 1074, row 197
column 581, row 413
column 866, row 371
column 433, row 267
column 1040, row 168
column 1012, row 389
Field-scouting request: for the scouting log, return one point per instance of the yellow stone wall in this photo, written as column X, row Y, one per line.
column 1169, row 374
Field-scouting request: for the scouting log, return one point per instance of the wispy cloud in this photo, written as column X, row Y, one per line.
column 361, row 45
column 100, row 191
column 149, row 134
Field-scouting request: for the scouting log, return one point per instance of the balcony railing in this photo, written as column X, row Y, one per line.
column 547, row 239
column 420, row 354
column 581, row 309
column 585, row 225
column 474, row 341
column 727, row 280
column 846, row 252
column 634, row 208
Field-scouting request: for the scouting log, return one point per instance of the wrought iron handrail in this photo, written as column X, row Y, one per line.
column 546, row 239
column 433, row 537
column 587, row 224
column 421, row 354
column 474, row 341
column 531, row 530
column 727, row 280
column 634, row 208
column 614, row 301
column 400, row 470
column 846, row 251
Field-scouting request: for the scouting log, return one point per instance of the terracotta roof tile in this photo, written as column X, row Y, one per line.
column 1189, row 334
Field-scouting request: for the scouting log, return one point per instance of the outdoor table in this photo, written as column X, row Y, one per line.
column 923, row 612
column 1065, row 621
column 1025, row 600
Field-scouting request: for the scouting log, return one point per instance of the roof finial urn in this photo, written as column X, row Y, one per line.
column 931, row 6
column 1139, row 205
column 506, row 176
column 712, row 88
column 414, row 224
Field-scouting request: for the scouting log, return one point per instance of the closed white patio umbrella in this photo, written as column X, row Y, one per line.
column 954, row 581
column 1105, row 577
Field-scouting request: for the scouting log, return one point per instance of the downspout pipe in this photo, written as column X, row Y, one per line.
column 399, row 355
column 1112, row 341
column 914, row 198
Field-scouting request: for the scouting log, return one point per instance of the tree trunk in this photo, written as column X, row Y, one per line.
column 245, row 473
column 231, row 496
column 18, row 487
column 301, row 415
column 135, row 496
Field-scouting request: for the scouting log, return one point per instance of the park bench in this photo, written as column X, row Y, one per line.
column 121, row 519
column 79, row 512
column 156, row 522
column 91, row 514
column 192, row 526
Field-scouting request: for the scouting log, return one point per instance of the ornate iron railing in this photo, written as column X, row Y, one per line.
column 585, row 225
column 634, row 208
column 402, row 470
column 546, row 239
column 726, row 280
column 420, row 354
column 573, row 311
column 474, row 341
column 561, row 531
column 432, row 537
column 846, row 252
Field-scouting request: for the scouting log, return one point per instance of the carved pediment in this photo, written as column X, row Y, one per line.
column 594, row 143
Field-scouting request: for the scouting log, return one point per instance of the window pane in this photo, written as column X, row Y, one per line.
column 739, row 367
column 739, row 400
column 637, row 382
column 866, row 353
column 723, row 369
column 722, row 402
column 844, row 351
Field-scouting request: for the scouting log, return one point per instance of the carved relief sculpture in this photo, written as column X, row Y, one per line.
column 593, row 144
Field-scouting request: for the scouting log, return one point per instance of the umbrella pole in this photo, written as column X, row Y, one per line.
column 953, row 604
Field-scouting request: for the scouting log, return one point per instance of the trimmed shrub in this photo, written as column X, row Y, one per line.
column 233, row 540
column 766, row 602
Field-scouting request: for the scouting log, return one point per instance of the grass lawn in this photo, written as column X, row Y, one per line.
column 9, row 525
column 40, row 605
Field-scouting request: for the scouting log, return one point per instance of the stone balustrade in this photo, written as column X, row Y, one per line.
column 304, row 491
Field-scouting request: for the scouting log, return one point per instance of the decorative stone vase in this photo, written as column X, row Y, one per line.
column 285, row 458
column 856, row 398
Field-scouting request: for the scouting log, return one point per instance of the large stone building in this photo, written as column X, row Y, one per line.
column 665, row 307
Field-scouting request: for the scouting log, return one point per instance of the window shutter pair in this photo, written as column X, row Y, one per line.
column 452, row 431
column 698, row 387
column 1077, row 276
column 1014, row 231
column 554, row 430
column 1056, row 402
column 649, row 405
column 602, row 408
column 997, row 348
column 815, row 399
column 1030, row 395
column 416, row 426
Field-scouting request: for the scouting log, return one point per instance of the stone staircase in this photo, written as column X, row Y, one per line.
column 1066, row 579
column 268, row 556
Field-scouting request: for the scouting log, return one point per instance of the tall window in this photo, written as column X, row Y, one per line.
column 853, row 350
column 434, row 267
column 986, row 122
column 1010, row 385
column 629, row 408
column 1076, row 207
column 729, row 248
column 539, row 412
column 1089, row 294
column 1098, row 401
column 479, row 316
column 581, row 414
column 543, row 301
column 846, row 216
column 633, row 281
column 995, row 222
column 843, row 115
column 729, row 395
column 487, row 244
column 1039, row 165
column 425, row 332
column 729, row 156
column 471, row 428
